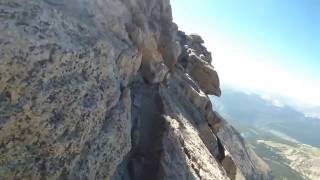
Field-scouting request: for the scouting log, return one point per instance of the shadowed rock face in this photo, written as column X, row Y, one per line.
column 109, row 89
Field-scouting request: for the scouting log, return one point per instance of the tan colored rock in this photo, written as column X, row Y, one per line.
column 204, row 74
column 189, row 89
column 250, row 165
column 153, row 69
column 178, row 104
column 230, row 167
column 154, row 73
column 232, row 170
column 185, row 156
column 171, row 54
column 197, row 61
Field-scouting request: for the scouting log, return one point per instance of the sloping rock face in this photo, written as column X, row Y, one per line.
column 109, row 89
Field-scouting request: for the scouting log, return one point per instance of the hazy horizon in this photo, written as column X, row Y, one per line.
column 265, row 47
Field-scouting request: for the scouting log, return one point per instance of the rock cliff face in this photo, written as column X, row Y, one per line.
column 110, row 89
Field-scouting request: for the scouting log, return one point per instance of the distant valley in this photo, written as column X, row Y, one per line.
column 284, row 137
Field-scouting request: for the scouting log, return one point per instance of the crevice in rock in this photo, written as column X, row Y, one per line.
column 221, row 151
column 225, row 159
column 148, row 125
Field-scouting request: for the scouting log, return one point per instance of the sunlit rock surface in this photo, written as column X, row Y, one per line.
column 94, row 89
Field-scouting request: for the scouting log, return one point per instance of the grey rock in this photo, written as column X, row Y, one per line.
column 197, row 61
column 196, row 38
column 94, row 89
column 245, row 159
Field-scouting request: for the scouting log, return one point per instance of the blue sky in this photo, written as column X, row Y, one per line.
column 262, row 45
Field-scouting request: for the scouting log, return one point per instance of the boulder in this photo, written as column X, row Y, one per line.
column 195, row 38
column 204, row 74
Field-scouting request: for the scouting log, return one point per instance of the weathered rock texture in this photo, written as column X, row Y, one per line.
column 109, row 89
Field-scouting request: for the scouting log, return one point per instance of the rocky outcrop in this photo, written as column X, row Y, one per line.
column 197, row 62
column 244, row 158
column 110, row 89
